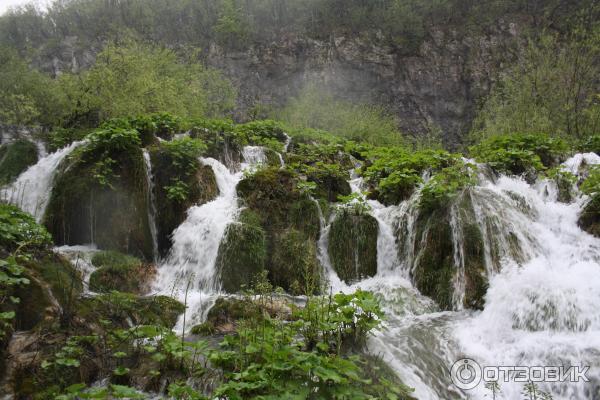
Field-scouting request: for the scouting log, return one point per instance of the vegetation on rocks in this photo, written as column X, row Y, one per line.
column 15, row 158
column 120, row 272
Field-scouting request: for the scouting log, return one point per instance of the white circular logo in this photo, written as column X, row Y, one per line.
column 466, row 374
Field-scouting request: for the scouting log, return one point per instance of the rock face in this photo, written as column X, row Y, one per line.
column 438, row 87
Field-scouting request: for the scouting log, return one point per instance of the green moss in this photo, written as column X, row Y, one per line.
column 15, row 158
column 225, row 314
column 294, row 265
column 201, row 187
column 270, row 192
column 434, row 268
column 304, row 216
column 100, row 196
column 60, row 275
column 117, row 271
column 242, row 254
column 353, row 245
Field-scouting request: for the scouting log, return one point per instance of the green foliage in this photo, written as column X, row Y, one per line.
column 136, row 79
column 184, row 154
column 520, row 153
column 591, row 185
column 551, row 89
column 19, row 230
column 446, row 184
column 28, row 96
column 316, row 109
column 15, row 158
column 178, row 191
column 266, row 133
column 395, row 172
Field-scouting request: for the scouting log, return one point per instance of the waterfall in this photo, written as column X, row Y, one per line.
column 31, row 191
column 151, row 205
column 541, row 307
column 189, row 271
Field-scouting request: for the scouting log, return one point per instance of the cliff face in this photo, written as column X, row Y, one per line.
column 439, row 88
column 436, row 89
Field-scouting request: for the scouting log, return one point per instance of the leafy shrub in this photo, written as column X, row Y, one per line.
column 591, row 185
column 445, row 184
column 15, row 158
column 591, row 144
column 394, row 173
column 266, row 133
column 18, row 229
column 184, row 154
column 520, row 153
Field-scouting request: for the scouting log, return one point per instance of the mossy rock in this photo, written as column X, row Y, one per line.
column 589, row 219
column 330, row 186
column 270, row 192
column 15, row 158
column 353, row 245
column 123, row 308
column 294, row 265
column 117, row 271
column 242, row 254
column 202, row 188
column 102, row 200
column 435, row 269
column 225, row 314
column 304, row 216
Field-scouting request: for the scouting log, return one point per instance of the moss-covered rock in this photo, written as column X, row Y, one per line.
column 100, row 196
column 589, row 219
column 225, row 314
column 294, row 264
column 124, row 308
column 435, row 269
column 15, row 158
column 242, row 253
column 353, row 245
column 201, row 187
column 117, row 271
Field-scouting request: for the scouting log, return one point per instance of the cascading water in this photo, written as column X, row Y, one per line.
column 189, row 272
column 541, row 305
column 151, row 205
column 31, row 191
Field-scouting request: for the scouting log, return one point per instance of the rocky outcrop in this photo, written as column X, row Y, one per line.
column 353, row 245
column 16, row 157
column 589, row 219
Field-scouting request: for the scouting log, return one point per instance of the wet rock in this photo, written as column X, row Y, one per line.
column 589, row 219
column 117, row 271
column 353, row 245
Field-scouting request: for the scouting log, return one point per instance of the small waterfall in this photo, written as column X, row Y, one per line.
column 151, row 205
column 189, row 271
column 288, row 141
column 31, row 191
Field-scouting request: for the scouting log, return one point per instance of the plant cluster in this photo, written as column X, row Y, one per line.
column 518, row 154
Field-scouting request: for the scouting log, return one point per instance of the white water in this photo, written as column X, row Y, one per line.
column 542, row 302
column 31, row 191
column 151, row 205
column 189, row 272
column 81, row 258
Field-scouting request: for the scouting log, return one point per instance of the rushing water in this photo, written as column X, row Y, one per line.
column 541, row 306
column 189, row 272
column 151, row 205
column 31, row 191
